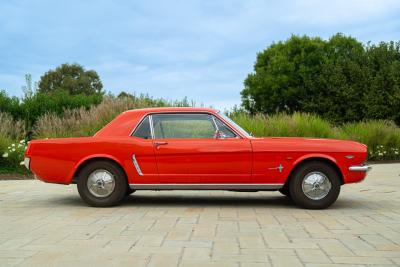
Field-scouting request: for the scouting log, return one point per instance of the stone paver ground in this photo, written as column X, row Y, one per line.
column 48, row 225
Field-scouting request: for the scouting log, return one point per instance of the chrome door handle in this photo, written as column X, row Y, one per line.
column 158, row 144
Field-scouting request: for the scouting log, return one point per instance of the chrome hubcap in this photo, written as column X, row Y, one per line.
column 316, row 185
column 101, row 183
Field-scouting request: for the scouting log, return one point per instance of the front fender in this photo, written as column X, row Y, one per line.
column 318, row 156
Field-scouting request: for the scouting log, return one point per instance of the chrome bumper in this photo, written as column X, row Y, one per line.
column 27, row 162
column 360, row 168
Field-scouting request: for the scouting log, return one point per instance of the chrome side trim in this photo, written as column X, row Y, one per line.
column 136, row 164
column 362, row 168
column 205, row 186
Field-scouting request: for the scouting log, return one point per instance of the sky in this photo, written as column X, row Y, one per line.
column 171, row 49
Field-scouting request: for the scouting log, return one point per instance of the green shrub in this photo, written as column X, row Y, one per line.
column 382, row 137
column 30, row 108
column 4, row 143
column 56, row 102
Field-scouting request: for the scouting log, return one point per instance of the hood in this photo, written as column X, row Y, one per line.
column 307, row 144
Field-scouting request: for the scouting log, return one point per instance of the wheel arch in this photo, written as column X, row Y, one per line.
column 86, row 161
column 320, row 158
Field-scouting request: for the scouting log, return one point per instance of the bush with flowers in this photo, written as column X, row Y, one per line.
column 13, row 156
column 381, row 152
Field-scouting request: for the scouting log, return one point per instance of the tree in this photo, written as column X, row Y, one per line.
column 338, row 79
column 71, row 77
column 382, row 100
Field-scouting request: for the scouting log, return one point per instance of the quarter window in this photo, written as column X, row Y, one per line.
column 183, row 126
column 143, row 130
column 224, row 130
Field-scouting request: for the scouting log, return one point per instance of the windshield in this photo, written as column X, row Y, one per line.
column 237, row 127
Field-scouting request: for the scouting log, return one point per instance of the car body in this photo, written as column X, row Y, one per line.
column 191, row 148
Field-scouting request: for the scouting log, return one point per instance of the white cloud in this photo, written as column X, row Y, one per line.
column 338, row 12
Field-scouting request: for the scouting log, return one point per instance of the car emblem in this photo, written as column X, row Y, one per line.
column 279, row 168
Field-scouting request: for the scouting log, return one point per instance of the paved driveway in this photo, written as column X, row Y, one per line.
column 48, row 225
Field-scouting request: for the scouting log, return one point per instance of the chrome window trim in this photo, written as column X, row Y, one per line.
column 215, row 123
column 136, row 164
column 206, row 186
column 151, row 126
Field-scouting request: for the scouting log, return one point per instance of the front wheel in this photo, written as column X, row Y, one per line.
column 285, row 191
column 315, row 185
column 102, row 184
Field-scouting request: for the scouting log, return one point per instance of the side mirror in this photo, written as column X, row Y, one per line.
column 219, row 135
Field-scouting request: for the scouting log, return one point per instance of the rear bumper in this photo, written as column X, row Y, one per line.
column 27, row 162
column 360, row 168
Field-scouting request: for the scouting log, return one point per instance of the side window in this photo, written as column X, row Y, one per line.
column 183, row 126
column 224, row 130
column 143, row 130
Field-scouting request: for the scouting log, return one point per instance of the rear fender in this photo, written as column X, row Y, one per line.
column 94, row 156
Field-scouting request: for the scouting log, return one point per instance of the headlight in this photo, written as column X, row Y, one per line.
column 27, row 161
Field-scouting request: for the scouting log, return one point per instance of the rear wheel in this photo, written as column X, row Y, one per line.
column 129, row 191
column 315, row 185
column 102, row 184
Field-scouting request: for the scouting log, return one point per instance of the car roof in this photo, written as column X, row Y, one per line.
column 171, row 109
column 123, row 124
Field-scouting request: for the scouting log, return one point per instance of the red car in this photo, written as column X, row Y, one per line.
column 195, row 149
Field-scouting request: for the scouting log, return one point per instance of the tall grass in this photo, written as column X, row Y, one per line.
column 83, row 122
column 298, row 124
column 10, row 128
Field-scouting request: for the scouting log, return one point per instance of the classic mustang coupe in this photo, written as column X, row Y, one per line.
column 195, row 149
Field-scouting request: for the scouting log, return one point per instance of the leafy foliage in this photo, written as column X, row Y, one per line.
column 72, row 78
column 29, row 109
column 340, row 79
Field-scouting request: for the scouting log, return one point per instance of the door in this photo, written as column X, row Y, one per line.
column 192, row 148
column 142, row 163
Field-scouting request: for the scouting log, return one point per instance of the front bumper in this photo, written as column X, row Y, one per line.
column 360, row 168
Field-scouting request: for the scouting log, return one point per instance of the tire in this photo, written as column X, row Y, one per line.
column 129, row 191
column 285, row 191
column 109, row 184
column 307, row 189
